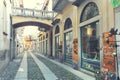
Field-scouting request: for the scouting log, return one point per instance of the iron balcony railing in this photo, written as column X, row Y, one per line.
column 25, row 12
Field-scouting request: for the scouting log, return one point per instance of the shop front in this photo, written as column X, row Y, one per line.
column 57, row 42
column 89, row 38
column 68, row 41
column 90, row 47
column 46, row 44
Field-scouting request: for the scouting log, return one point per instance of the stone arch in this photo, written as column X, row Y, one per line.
column 33, row 23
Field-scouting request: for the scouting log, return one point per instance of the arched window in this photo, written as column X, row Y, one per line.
column 68, row 24
column 57, row 30
column 90, row 11
column 90, row 41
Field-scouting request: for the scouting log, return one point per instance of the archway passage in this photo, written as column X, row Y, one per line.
column 46, row 27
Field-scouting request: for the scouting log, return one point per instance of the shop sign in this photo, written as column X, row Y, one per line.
column 115, row 3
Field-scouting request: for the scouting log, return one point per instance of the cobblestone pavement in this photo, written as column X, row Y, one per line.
column 12, row 68
column 34, row 72
column 60, row 72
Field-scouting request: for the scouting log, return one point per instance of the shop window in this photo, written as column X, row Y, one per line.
column 68, row 48
column 90, row 11
column 57, row 42
column 90, row 46
column 68, row 24
column 90, row 59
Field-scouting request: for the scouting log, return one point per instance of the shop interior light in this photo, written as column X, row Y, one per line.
column 114, row 53
column 89, row 31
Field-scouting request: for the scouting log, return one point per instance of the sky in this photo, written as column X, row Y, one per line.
column 30, row 30
column 33, row 4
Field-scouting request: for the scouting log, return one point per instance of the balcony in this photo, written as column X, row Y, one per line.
column 25, row 12
column 59, row 5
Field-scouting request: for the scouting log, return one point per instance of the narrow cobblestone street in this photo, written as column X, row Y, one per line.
column 38, row 68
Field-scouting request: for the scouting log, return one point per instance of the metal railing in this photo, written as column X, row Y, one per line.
column 25, row 12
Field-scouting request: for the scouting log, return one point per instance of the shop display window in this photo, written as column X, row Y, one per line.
column 68, row 44
column 90, row 46
column 57, row 43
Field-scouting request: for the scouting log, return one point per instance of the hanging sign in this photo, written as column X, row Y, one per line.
column 115, row 3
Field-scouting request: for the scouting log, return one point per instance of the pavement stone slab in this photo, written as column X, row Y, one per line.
column 60, row 72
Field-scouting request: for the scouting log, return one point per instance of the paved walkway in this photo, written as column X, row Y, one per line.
column 47, row 73
column 78, row 73
column 47, row 68
column 22, row 71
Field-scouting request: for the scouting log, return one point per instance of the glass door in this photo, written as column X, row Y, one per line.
column 68, row 47
column 57, row 43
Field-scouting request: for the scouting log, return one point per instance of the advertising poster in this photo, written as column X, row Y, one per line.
column 108, row 50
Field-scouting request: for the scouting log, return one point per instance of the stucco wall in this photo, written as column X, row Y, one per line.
column 105, row 17
column 4, row 38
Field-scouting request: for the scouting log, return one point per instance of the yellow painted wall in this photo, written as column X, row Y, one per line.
column 105, row 17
